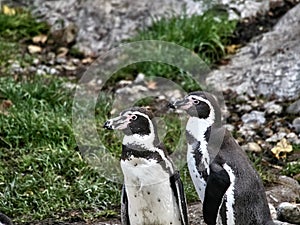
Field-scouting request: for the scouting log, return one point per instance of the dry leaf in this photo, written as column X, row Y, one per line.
column 8, row 11
column 152, row 85
column 232, row 49
column 5, row 105
column 281, row 149
column 42, row 38
column 62, row 52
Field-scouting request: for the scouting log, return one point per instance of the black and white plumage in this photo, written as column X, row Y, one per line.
column 5, row 220
column 230, row 189
column 152, row 191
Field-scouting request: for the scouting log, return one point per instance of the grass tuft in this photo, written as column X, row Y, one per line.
column 41, row 172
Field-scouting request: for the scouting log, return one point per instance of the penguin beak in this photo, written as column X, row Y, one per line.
column 117, row 123
column 184, row 104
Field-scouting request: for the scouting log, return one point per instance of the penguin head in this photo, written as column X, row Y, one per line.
column 199, row 104
column 136, row 120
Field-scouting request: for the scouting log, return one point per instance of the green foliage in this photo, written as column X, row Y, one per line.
column 21, row 25
column 205, row 35
column 41, row 172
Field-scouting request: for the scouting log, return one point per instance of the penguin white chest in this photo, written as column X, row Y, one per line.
column 197, row 178
column 150, row 196
column 197, row 154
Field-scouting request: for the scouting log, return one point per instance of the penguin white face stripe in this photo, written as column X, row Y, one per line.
column 230, row 200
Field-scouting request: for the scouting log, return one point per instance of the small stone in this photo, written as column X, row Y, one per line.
column 247, row 131
column 140, row 78
column 40, row 72
column 268, row 132
column 254, row 117
column 87, row 60
column 293, row 138
column 229, row 127
column 296, row 125
column 61, row 60
column 76, row 62
column 252, row 147
column 242, row 98
column 272, row 108
column 276, row 137
column 289, row 212
column 294, row 108
column 69, row 67
column 33, row 49
column 245, row 108
column 53, row 71
column 42, row 38
column 35, row 61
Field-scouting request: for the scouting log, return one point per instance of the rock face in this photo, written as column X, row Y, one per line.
column 102, row 24
column 269, row 65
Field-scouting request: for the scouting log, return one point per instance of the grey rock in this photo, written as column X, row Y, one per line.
column 289, row 212
column 294, row 108
column 276, row 137
column 286, row 190
column 296, row 124
column 252, row 147
column 244, row 107
column 277, row 222
column 267, row 132
column 247, row 130
column 254, row 117
column 293, row 138
column 103, row 24
column 272, row 70
column 139, row 78
column 272, row 108
column 61, row 60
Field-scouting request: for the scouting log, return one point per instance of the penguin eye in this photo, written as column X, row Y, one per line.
column 196, row 102
column 133, row 117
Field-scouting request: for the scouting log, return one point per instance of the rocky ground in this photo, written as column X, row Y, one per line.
column 260, row 83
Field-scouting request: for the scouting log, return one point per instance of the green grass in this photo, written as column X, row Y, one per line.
column 22, row 25
column 41, row 172
column 15, row 29
column 205, row 35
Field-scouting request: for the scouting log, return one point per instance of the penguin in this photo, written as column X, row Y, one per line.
column 227, row 184
column 152, row 192
column 5, row 220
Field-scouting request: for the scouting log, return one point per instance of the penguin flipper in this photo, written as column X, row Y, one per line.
column 217, row 183
column 178, row 190
column 124, row 207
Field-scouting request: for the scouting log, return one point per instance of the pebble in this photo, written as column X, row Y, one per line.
column 252, row 147
column 289, row 212
column 294, row 108
column 33, row 49
column 61, row 60
column 254, row 117
column 268, row 132
column 296, row 125
column 276, row 137
column 272, row 108
column 140, row 78
column 293, row 138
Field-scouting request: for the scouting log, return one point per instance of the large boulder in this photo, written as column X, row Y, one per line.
column 269, row 65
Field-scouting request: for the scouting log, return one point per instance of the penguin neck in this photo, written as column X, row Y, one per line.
column 198, row 128
column 198, row 132
column 144, row 141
